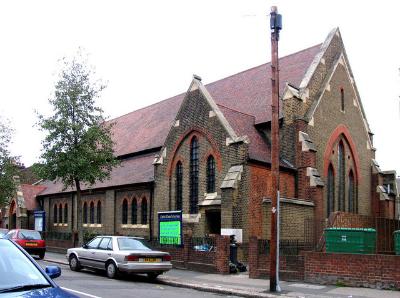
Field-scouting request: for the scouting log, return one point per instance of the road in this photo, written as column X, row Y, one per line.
column 96, row 285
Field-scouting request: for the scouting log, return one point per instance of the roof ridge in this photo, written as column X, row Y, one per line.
column 251, row 68
column 235, row 110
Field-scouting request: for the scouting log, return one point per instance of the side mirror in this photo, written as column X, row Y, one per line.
column 85, row 246
column 53, row 271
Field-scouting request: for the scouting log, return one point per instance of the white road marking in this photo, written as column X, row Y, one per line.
column 82, row 293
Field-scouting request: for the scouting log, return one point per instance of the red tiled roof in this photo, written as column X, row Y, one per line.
column 132, row 170
column 29, row 193
column 248, row 92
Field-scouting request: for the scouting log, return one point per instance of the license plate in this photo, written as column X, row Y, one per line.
column 31, row 244
column 150, row 260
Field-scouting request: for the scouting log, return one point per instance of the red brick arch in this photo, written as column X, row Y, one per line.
column 342, row 131
column 188, row 135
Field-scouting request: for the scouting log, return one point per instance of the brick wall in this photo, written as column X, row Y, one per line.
column 290, row 267
column 375, row 271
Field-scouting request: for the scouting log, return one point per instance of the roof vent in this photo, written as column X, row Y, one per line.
column 197, row 77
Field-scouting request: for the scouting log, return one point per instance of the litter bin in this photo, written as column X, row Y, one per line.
column 350, row 240
column 397, row 242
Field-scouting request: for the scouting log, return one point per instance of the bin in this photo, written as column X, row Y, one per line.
column 350, row 240
column 397, row 242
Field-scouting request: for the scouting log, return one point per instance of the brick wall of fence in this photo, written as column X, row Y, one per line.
column 291, row 262
column 375, row 271
column 209, row 255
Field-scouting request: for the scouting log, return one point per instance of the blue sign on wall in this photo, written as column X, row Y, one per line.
column 40, row 220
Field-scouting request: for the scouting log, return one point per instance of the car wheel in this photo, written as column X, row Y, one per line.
column 74, row 264
column 153, row 275
column 41, row 255
column 111, row 270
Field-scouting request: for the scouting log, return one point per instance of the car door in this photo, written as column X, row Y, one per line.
column 88, row 255
column 103, row 252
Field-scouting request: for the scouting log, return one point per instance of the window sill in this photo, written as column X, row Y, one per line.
column 136, row 226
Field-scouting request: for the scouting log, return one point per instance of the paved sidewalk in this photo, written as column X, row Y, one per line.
column 242, row 285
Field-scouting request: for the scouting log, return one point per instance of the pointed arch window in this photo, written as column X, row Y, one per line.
column 60, row 214
column 92, row 212
column 210, row 174
column 125, row 212
column 330, row 191
column 178, row 185
column 352, row 193
column 194, row 176
column 85, row 213
column 341, row 172
column 55, row 214
column 99, row 212
column 66, row 213
column 134, row 212
column 144, row 211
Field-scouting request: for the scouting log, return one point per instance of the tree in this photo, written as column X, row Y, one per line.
column 78, row 147
column 8, row 168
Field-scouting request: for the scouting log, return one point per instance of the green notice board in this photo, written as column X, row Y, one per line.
column 170, row 227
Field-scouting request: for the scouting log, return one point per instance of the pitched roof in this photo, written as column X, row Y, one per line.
column 132, row 170
column 29, row 193
column 248, row 92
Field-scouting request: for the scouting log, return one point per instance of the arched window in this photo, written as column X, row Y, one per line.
column 210, row 174
column 330, row 191
column 352, row 192
column 144, row 211
column 194, row 176
column 66, row 213
column 85, row 213
column 134, row 212
column 178, row 185
column 341, row 172
column 125, row 212
column 99, row 212
column 92, row 212
column 55, row 214
column 60, row 214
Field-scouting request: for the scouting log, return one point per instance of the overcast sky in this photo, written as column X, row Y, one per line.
column 148, row 51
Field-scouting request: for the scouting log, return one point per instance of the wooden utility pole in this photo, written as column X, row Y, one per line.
column 276, row 26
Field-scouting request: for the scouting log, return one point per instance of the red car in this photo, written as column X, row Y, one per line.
column 30, row 240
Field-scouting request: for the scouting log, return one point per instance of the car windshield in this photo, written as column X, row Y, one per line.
column 29, row 235
column 16, row 270
column 131, row 244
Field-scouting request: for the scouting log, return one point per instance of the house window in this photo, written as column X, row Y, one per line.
column 341, row 171
column 330, row 191
column 125, row 212
column 55, row 214
column 92, row 212
column 66, row 213
column 342, row 99
column 99, row 212
column 210, row 174
column 352, row 192
column 144, row 211
column 194, row 176
column 60, row 214
column 85, row 213
column 178, row 186
column 134, row 212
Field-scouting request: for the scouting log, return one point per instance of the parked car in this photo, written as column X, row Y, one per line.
column 3, row 232
column 21, row 276
column 119, row 254
column 30, row 240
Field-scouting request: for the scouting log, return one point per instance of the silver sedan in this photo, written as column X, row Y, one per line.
column 116, row 254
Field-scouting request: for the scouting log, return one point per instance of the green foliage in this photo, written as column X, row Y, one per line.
column 88, row 235
column 8, row 168
column 78, row 145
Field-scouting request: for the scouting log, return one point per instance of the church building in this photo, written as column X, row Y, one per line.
column 207, row 152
